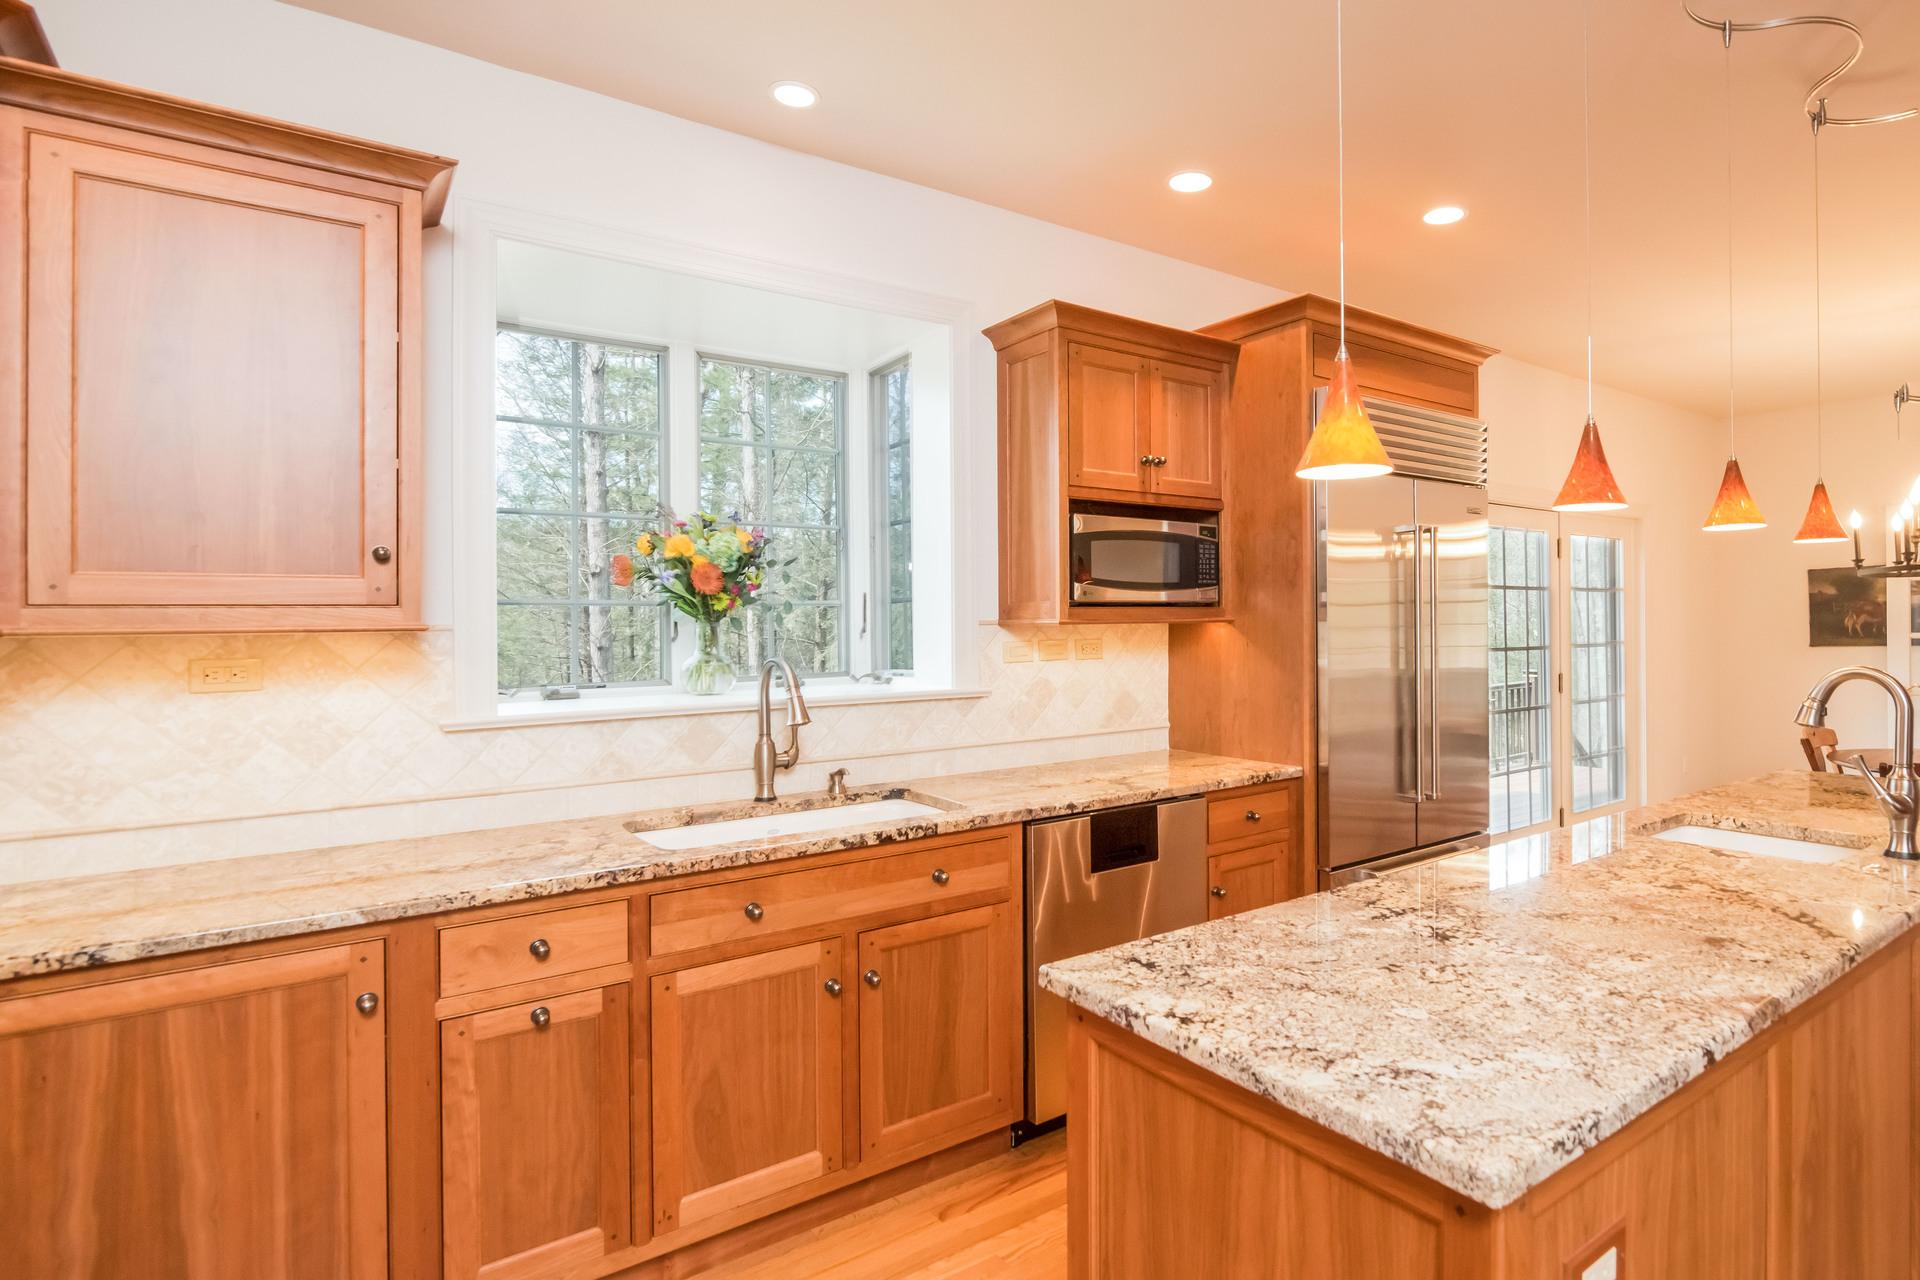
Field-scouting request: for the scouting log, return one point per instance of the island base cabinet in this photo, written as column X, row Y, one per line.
column 214, row 1122
column 536, row 1161
column 939, row 1059
column 746, row 1066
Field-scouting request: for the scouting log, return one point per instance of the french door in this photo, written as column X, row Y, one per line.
column 1562, row 668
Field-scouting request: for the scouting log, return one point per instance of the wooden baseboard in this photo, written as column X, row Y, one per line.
column 704, row 1255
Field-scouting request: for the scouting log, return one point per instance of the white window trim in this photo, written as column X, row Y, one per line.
column 944, row 646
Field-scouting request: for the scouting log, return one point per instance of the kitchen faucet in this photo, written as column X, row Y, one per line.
column 766, row 757
column 1899, row 794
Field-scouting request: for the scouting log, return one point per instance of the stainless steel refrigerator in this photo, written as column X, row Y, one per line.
column 1402, row 580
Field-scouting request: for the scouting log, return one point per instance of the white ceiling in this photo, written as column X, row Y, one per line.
column 1076, row 112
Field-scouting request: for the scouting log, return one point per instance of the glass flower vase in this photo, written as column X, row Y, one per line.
column 707, row 672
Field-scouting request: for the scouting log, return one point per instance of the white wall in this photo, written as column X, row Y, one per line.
column 1659, row 455
column 1766, row 663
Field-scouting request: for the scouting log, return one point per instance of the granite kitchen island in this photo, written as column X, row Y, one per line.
column 1593, row 1054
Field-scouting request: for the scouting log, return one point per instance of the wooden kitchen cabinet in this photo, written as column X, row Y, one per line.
column 1245, row 879
column 221, row 1121
column 1099, row 408
column 536, row 1159
column 218, row 400
column 747, row 1082
column 939, row 1012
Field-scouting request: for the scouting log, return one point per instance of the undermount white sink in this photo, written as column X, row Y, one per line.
column 791, row 823
column 1765, row 846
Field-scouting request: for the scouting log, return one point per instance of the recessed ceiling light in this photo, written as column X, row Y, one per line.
column 1444, row 216
column 791, row 93
column 1190, row 180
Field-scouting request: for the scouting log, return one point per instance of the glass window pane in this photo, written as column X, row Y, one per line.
column 733, row 401
column 806, row 488
column 730, row 480
column 805, row 565
column 600, row 541
column 619, row 472
column 619, row 644
column 533, row 466
column 1520, row 743
column 805, row 409
column 534, row 557
column 533, row 376
column 620, row 387
column 1598, row 694
column 532, row 646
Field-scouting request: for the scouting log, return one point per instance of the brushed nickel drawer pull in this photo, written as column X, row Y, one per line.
column 755, row 912
column 367, row 1003
column 541, row 1018
column 940, row 877
column 540, row 948
column 1253, row 815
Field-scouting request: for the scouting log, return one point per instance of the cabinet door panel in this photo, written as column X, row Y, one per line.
column 212, row 412
column 227, row 1121
column 1106, row 418
column 746, row 1063
column 534, row 1117
column 1245, row 879
column 1187, row 407
column 938, row 1052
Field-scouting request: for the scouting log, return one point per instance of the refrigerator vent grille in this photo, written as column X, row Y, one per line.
column 1429, row 444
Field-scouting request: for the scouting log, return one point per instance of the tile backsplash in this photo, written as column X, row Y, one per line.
column 106, row 759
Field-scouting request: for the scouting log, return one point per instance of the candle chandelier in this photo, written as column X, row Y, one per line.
column 1734, row 507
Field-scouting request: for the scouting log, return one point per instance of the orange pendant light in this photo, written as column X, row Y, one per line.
column 1344, row 445
column 1590, row 485
column 1733, row 507
column 1821, row 524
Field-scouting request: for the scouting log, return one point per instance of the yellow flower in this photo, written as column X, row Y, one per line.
column 699, row 560
column 680, row 546
column 644, row 544
column 745, row 537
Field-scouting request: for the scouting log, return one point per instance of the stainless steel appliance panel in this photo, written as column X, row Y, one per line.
column 1086, row 889
column 1454, row 717
column 1372, row 636
column 1122, row 559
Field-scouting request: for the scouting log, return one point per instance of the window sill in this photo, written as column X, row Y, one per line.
column 744, row 696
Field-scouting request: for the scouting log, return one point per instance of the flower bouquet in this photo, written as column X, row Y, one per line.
column 706, row 567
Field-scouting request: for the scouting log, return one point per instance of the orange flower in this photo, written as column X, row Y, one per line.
column 623, row 571
column 707, row 579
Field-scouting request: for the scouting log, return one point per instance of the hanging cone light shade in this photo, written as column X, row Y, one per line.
column 1344, row 445
column 1590, row 484
column 1821, row 524
column 1733, row 507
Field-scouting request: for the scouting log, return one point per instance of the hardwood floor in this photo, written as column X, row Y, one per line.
column 1002, row 1219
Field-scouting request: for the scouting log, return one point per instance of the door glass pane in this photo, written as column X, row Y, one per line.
column 1596, row 569
column 1519, row 679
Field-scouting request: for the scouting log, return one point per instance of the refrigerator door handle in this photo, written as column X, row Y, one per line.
column 1413, row 733
column 1432, row 708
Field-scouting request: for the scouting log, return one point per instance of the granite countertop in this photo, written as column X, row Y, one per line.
column 1486, row 1019
column 51, row 925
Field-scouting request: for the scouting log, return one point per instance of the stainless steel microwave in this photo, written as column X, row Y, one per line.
column 1141, row 560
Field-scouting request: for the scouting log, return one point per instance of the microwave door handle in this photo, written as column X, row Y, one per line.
column 1433, row 664
column 1409, row 536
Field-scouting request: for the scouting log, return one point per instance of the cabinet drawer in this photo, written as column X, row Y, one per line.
column 497, row 953
column 768, row 905
column 1259, row 815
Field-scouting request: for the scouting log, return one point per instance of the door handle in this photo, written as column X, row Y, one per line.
column 1418, row 742
column 1433, row 664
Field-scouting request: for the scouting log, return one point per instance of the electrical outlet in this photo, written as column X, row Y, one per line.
column 1053, row 649
column 1016, row 651
column 1089, row 648
column 225, row 675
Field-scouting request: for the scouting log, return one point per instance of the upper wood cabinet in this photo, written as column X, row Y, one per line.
column 535, row 1151
column 212, row 366
column 223, row 1121
column 1098, row 408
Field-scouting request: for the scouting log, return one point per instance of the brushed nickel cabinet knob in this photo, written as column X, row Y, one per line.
column 833, row 986
column 1218, row 891
column 940, row 877
column 541, row 1018
column 871, row 977
column 1253, row 815
column 755, row 912
column 382, row 554
column 367, row 1003
column 539, row 948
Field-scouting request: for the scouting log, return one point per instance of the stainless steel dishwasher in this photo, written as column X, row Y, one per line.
column 1095, row 881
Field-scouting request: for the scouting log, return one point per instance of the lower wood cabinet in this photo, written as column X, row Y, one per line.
column 1246, row 878
column 939, row 1013
column 221, row 1121
column 536, row 1157
column 747, row 1080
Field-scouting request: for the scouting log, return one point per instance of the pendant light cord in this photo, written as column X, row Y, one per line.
column 1340, row 149
column 1586, row 127
column 1819, row 362
column 1731, row 451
